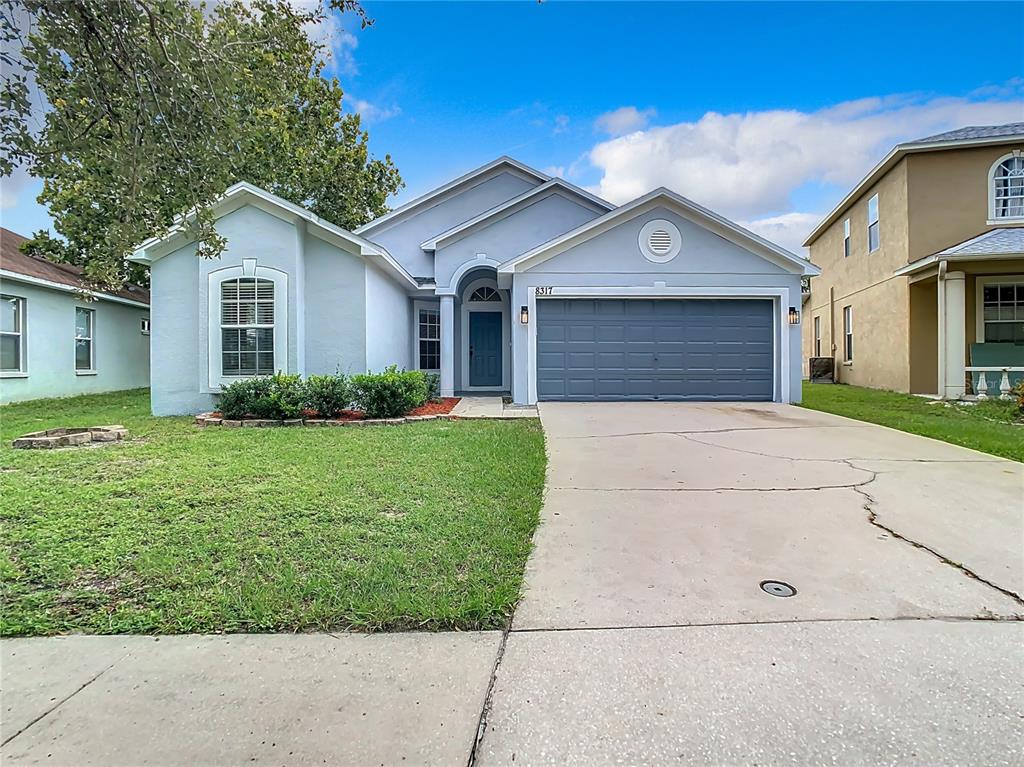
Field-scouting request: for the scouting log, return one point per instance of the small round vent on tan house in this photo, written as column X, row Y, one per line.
column 660, row 241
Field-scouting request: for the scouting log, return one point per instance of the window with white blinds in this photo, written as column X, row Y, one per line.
column 247, row 326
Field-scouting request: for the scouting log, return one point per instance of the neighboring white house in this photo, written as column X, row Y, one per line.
column 56, row 340
column 504, row 280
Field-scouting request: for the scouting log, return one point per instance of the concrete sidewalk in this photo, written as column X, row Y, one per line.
column 229, row 700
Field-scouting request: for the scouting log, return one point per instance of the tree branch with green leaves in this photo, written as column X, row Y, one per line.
column 154, row 107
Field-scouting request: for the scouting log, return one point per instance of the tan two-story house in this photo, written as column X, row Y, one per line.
column 922, row 284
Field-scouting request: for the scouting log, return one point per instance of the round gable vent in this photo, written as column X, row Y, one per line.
column 660, row 241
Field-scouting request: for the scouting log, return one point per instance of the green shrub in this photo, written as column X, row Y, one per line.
column 433, row 386
column 328, row 395
column 278, row 396
column 1018, row 394
column 389, row 394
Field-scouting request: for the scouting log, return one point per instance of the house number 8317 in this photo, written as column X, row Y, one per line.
column 544, row 290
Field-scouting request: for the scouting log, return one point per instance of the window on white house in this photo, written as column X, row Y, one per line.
column 846, row 238
column 12, row 334
column 430, row 339
column 1008, row 188
column 85, row 349
column 247, row 326
column 848, row 333
column 873, row 233
column 144, row 326
column 817, row 336
column 1003, row 312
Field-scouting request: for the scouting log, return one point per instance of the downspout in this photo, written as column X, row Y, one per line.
column 941, row 290
column 300, row 297
column 832, row 331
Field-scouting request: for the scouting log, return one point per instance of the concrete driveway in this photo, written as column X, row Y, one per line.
column 644, row 636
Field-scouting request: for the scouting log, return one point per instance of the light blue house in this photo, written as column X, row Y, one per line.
column 56, row 339
column 504, row 280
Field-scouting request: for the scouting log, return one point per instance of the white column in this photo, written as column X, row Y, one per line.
column 447, row 346
column 954, row 326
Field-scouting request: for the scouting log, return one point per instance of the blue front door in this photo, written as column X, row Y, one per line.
column 485, row 348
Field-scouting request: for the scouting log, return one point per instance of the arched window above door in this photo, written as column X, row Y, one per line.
column 485, row 294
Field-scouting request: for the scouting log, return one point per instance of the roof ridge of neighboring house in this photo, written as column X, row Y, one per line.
column 729, row 230
column 238, row 191
column 39, row 270
column 554, row 183
column 452, row 185
column 930, row 144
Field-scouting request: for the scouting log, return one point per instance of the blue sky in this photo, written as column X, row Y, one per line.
column 765, row 112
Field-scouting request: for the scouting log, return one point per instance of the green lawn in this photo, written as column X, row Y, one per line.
column 994, row 426
column 182, row 529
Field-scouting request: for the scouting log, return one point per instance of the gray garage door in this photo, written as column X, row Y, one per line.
column 670, row 349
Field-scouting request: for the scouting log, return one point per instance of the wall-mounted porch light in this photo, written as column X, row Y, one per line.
column 524, row 315
column 794, row 316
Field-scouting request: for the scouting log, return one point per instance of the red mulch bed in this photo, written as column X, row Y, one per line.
column 441, row 406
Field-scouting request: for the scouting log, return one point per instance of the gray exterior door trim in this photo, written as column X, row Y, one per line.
column 781, row 331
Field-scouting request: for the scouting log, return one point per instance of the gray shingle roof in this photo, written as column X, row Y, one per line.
column 998, row 242
column 974, row 132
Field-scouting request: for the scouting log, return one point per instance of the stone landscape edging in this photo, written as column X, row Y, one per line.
column 207, row 419
column 69, row 436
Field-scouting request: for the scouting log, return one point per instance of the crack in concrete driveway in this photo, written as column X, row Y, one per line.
column 643, row 637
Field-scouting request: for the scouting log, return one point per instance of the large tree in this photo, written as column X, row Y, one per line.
column 155, row 107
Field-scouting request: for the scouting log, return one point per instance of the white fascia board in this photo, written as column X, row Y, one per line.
column 6, row 274
column 895, row 155
column 507, row 208
column 688, row 209
column 434, row 194
column 928, row 261
column 242, row 193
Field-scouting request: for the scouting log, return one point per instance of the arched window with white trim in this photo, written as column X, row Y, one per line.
column 248, row 316
column 1006, row 188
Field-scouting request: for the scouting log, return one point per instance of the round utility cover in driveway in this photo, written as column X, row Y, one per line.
column 778, row 588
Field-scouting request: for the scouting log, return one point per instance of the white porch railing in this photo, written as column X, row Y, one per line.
column 1003, row 374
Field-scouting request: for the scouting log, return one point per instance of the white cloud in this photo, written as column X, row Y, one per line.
column 788, row 230
column 556, row 171
column 374, row 113
column 624, row 120
column 561, row 124
column 12, row 186
column 748, row 166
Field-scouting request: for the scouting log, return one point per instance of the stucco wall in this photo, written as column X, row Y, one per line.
column 336, row 300
column 865, row 282
column 613, row 259
column 403, row 238
column 388, row 319
column 511, row 236
column 948, row 197
column 122, row 351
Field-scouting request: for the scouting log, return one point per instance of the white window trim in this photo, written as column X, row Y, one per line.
column 91, row 371
column 816, row 340
column 847, row 243
column 979, row 302
column 992, row 219
column 847, row 333
column 878, row 221
column 490, row 306
column 248, row 269
column 417, row 307
column 22, row 371
column 780, row 323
